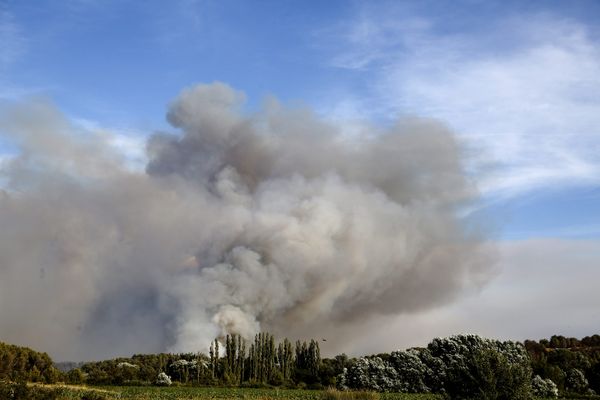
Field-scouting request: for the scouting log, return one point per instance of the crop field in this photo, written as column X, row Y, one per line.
column 75, row 392
column 66, row 392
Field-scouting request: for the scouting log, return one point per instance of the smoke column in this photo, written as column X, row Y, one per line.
column 271, row 221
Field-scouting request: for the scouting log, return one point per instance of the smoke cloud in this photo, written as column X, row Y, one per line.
column 240, row 222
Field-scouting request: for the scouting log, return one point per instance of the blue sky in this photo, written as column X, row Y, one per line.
column 519, row 83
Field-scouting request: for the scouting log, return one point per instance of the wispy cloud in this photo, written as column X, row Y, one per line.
column 182, row 19
column 523, row 93
column 12, row 40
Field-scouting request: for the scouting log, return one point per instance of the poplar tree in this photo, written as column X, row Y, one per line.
column 214, row 358
column 285, row 359
column 235, row 348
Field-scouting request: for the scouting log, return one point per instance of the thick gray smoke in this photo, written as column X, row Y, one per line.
column 273, row 221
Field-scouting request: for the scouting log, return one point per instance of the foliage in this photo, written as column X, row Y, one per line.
column 371, row 373
column 555, row 359
column 332, row 369
column 544, row 387
column 34, row 391
column 576, row 381
column 459, row 367
column 308, row 361
column 235, row 353
column 75, row 376
column 478, row 368
column 261, row 359
column 285, row 359
column 412, row 371
column 462, row 367
column 163, row 380
column 23, row 363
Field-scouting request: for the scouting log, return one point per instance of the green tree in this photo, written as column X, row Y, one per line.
column 75, row 376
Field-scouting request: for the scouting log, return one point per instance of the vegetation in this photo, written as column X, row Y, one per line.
column 57, row 392
column 572, row 364
column 265, row 364
column 22, row 363
column 458, row 367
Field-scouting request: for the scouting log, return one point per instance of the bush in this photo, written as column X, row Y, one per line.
column 75, row 376
column 543, row 387
column 20, row 391
column 576, row 381
column 163, row 380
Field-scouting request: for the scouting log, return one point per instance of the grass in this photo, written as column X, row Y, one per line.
column 73, row 392
column 70, row 392
column 189, row 393
column 332, row 394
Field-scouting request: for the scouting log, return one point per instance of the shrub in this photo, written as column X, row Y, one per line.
column 75, row 376
column 576, row 381
column 163, row 380
column 20, row 391
column 543, row 387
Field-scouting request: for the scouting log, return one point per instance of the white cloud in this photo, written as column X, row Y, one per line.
column 522, row 95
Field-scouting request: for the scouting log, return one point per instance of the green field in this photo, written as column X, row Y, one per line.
column 71, row 392
column 191, row 393
column 237, row 393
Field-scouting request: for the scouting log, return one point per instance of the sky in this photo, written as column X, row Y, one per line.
column 517, row 82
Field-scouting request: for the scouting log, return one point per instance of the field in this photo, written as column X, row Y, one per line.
column 192, row 393
column 71, row 392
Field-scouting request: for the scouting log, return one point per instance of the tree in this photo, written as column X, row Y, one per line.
column 262, row 358
column 308, row 361
column 477, row 368
column 214, row 358
column 285, row 359
column 412, row 371
column 370, row 373
column 235, row 349
column 75, row 376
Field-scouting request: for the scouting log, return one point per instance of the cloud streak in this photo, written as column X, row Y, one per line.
column 12, row 41
column 522, row 93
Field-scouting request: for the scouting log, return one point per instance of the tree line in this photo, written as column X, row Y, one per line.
column 231, row 361
column 460, row 367
column 572, row 364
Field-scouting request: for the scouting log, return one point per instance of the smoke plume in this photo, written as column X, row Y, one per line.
column 240, row 222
